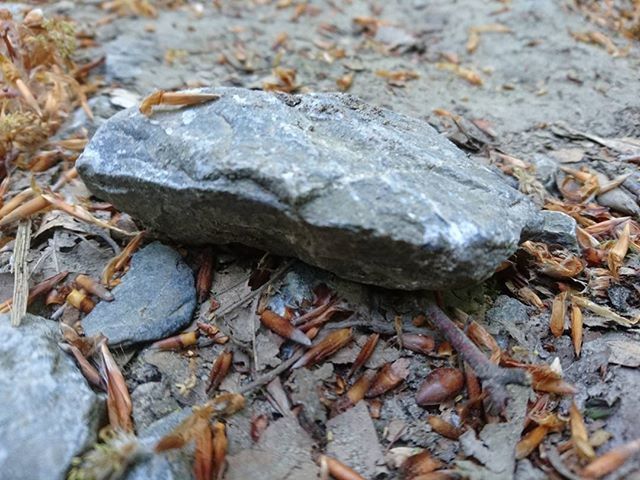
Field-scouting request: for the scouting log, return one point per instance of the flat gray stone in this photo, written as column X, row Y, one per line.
column 49, row 414
column 155, row 299
column 366, row 193
column 556, row 228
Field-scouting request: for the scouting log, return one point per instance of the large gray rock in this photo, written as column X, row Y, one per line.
column 49, row 414
column 156, row 298
column 366, row 193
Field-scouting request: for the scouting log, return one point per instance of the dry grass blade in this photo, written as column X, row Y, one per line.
column 558, row 314
column 474, row 34
column 611, row 460
column 603, row 312
column 183, row 99
column 119, row 405
column 21, row 272
column 365, row 353
column 26, row 210
column 619, row 250
column 579, row 435
column 80, row 213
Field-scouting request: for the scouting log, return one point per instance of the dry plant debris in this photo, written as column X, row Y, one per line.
column 459, row 373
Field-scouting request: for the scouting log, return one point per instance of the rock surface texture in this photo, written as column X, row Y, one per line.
column 366, row 193
column 49, row 414
column 155, row 299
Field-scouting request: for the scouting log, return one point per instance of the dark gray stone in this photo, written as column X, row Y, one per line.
column 366, row 193
column 155, row 299
column 49, row 414
column 556, row 228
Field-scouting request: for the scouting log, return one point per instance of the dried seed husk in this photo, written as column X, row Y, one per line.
column 339, row 470
column 79, row 300
column 419, row 464
column 418, row 343
column 88, row 370
column 160, row 97
column 560, row 264
column 325, row 347
column 616, row 255
column 531, row 441
column 282, row 327
column 365, row 353
column 611, row 460
column 176, row 342
column 441, row 385
column 117, row 263
column 389, row 377
column 482, row 338
column 576, row 329
column 92, row 286
column 558, row 314
column 579, row 434
column 219, row 370
column 444, row 428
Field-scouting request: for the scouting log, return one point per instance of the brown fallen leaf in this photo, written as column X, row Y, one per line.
column 441, row 385
column 576, row 329
column 219, row 370
column 365, row 353
column 611, row 460
column 579, row 434
column 326, row 347
column 531, row 441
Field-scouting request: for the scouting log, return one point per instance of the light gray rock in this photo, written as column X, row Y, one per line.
column 366, row 193
column 170, row 465
column 49, row 414
column 155, row 299
column 558, row 228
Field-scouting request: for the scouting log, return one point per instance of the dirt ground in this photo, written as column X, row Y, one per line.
column 531, row 86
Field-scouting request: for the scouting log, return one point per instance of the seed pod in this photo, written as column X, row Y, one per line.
column 418, row 343
column 441, row 384
column 79, row 300
column 444, row 428
column 177, row 341
column 338, row 470
column 282, row 327
column 219, row 370
column 389, row 377
column 419, row 464
column 365, row 353
column 205, row 274
column 258, row 425
column 93, row 287
column 558, row 312
column 354, row 394
column 326, row 347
